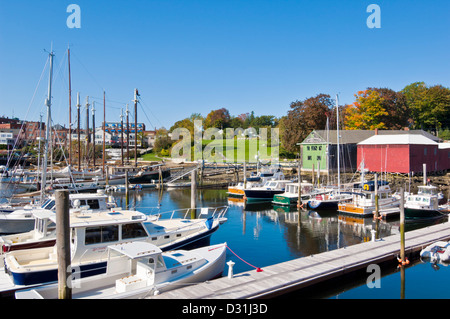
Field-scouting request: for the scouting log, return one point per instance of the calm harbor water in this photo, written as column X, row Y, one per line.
column 264, row 234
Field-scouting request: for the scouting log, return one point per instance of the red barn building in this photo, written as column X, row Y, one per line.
column 402, row 153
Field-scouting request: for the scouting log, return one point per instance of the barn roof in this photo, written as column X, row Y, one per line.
column 357, row 136
column 398, row 139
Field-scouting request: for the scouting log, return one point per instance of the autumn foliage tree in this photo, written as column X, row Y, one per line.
column 367, row 112
column 302, row 118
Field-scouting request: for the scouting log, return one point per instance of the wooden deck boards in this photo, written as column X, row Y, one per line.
column 306, row 270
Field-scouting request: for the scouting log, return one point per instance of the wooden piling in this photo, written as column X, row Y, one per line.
column 63, row 244
column 402, row 224
column 193, row 193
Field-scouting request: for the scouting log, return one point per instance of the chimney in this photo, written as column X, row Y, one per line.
column 376, row 131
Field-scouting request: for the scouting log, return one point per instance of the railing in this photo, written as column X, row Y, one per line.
column 214, row 212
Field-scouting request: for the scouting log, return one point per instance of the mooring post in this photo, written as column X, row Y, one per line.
column 126, row 189
column 377, row 207
column 402, row 225
column 193, row 193
column 230, row 269
column 63, row 244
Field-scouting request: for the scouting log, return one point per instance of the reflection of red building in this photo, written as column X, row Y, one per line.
column 402, row 153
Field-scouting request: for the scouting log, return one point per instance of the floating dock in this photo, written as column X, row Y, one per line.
column 303, row 272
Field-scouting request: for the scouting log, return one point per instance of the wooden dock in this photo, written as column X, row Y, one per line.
column 306, row 271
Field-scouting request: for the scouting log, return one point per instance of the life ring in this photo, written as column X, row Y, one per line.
column 366, row 187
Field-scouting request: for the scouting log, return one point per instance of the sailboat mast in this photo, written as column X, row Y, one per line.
column 93, row 132
column 338, row 147
column 48, row 102
column 135, row 126
column 78, row 129
column 70, row 110
column 88, row 136
column 104, row 134
column 121, row 135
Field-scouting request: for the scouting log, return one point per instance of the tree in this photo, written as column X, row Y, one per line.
column 399, row 115
column 304, row 117
column 430, row 106
column 367, row 112
column 218, row 118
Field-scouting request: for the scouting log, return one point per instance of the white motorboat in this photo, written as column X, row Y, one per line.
column 362, row 202
column 425, row 204
column 267, row 191
column 92, row 232
column 437, row 252
column 22, row 220
column 257, row 180
column 140, row 269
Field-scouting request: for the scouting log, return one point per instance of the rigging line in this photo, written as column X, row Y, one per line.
column 28, row 110
column 142, row 102
column 146, row 116
column 86, row 69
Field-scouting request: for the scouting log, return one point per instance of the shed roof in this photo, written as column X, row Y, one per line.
column 357, row 136
column 398, row 139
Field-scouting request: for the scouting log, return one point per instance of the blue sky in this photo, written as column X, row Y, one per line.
column 193, row 56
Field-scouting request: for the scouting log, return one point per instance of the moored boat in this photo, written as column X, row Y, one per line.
column 139, row 269
column 290, row 196
column 363, row 199
column 437, row 252
column 92, row 232
column 424, row 204
column 267, row 191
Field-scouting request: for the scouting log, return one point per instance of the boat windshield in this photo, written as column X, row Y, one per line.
column 427, row 190
column 49, row 204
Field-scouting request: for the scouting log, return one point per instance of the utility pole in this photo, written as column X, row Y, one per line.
column 136, row 94
column 78, row 129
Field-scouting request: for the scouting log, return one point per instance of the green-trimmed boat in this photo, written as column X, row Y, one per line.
column 290, row 195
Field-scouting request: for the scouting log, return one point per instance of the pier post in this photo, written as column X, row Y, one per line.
column 230, row 269
column 402, row 224
column 193, row 192
column 424, row 174
column 63, row 244
column 126, row 190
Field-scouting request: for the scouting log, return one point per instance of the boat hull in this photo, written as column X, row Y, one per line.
column 148, row 177
column 323, row 204
column 417, row 213
column 284, row 200
column 261, row 195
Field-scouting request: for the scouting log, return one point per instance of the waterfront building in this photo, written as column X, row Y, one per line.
column 403, row 153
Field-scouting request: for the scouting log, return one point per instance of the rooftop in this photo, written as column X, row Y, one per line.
column 402, row 139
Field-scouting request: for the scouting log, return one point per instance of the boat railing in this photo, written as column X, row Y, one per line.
column 207, row 212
